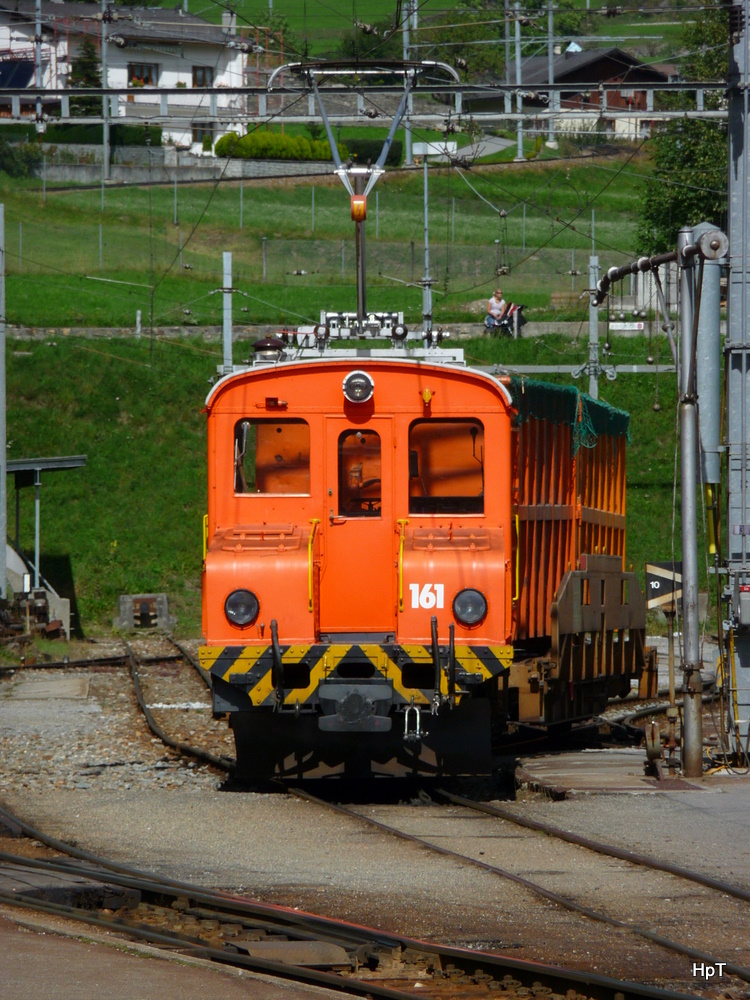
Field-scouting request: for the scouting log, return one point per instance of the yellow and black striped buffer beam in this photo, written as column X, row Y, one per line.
column 305, row 666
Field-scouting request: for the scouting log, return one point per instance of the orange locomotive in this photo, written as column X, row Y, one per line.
column 404, row 555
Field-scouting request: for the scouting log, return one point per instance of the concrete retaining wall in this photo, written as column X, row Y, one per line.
column 252, row 332
column 132, row 165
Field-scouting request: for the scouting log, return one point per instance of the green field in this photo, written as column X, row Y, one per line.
column 319, row 24
column 71, row 263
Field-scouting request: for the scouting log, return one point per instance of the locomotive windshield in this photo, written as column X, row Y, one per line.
column 359, row 474
column 271, row 456
column 446, row 467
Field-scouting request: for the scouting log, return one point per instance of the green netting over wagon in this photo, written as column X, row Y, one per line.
column 588, row 418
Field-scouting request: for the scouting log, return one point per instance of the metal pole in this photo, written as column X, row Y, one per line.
column 692, row 685
column 708, row 366
column 737, row 374
column 408, row 155
column 227, row 313
column 38, row 81
column 551, row 66
column 3, row 453
column 359, row 187
column 506, row 7
column 427, row 283
column 105, row 97
column 519, row 99
column 593, row 330
column 37, row 521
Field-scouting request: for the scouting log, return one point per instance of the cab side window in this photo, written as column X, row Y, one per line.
column 446, row 467
column 272, row 456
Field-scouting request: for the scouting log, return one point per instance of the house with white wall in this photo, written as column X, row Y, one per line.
column 147, row 50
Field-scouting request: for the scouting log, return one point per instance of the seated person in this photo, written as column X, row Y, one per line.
column 496, row 308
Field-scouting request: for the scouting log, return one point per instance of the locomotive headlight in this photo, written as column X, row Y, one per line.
column 358, row 387
column 469, row 606
column 241, row 608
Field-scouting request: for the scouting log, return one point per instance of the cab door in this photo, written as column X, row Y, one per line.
column 358, row 577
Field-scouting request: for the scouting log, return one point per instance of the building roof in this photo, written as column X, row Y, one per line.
column 591, row 66
column 154, row 24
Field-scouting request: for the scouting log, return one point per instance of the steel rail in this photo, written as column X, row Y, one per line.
column 608, row 850
column 737, row 970
column 116, row 660
column 203, row 674
column 266, row 916
column 223, row 763
column 198, row 949
column 125, row 875
column 601, row 987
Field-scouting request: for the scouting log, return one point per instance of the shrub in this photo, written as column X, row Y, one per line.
column 272, row 146
column 20, row 160
column 119, row 135
column 368, row 150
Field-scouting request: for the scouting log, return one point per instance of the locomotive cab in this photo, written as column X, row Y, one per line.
column 356, row 591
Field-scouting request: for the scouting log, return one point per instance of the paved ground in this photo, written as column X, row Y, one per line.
column 39, row 960
column 486, row 146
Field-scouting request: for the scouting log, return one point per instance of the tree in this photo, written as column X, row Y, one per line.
column 85, row 71
column 689, row 182
column 371, row 41
column 568, row 21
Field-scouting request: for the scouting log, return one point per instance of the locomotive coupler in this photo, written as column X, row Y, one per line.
column 277, row 669
column 414, row 735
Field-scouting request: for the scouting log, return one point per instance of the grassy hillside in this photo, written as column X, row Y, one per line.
column 130, row 521
column 72, row 262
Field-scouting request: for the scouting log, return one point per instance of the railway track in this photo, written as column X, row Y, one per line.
column 300, row 946
column 443, row 972
column 712, row 894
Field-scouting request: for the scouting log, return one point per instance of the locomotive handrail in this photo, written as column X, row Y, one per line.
column 205, row 536
column 402, row 522
column 517, row 589
column 314, row 521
